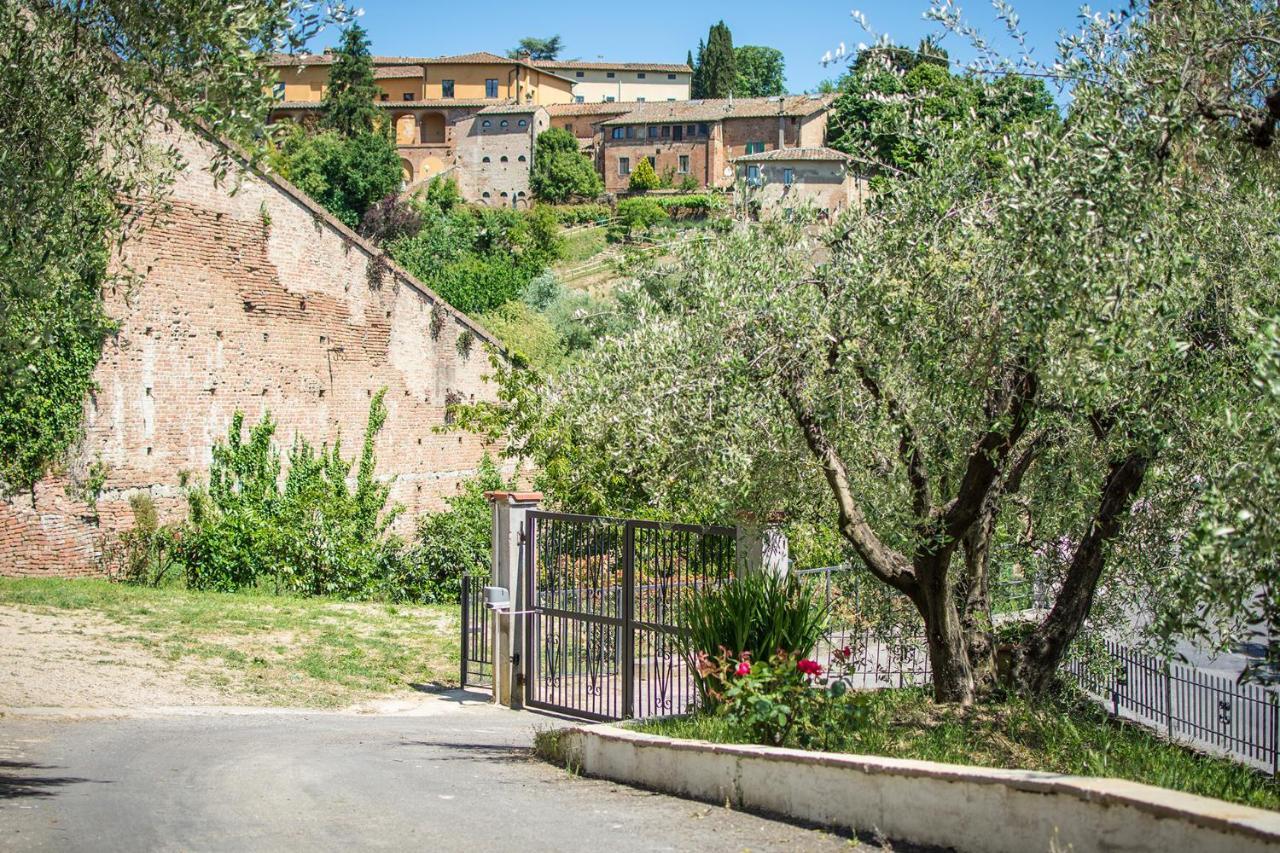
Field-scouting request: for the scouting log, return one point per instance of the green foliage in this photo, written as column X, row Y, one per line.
column 635, row 216
column 690, row 206
column 451, row 543
column 537, row 48
column 715, row 72
column 688, row 184
column 350, row 99
column 1070, row 736
column 757, row 614
column 310, row 534
column 560, row 170
column 442, row 193
column 643, row 177
column 528, row 335
column 760, row 72
column 346, row 174
column 78, row 155
column 479, row 258
column 580, row 214
column 145, row 553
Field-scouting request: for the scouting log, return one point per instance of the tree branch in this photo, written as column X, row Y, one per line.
column 909, row 449
column 885, row 563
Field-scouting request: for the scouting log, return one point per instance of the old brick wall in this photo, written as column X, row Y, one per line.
column 254, row 301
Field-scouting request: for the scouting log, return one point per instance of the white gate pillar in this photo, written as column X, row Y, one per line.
column 510, row 524
column 761, row 544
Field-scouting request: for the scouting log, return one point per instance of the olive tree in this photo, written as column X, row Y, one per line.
column 1018, row 357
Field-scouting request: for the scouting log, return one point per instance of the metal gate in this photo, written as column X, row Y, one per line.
column 603, row 594
column 476, row 653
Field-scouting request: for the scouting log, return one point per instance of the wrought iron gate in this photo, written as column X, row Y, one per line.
column 603, row 593
column 476, row 654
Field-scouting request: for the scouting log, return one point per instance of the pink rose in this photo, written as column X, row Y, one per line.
column 809, row 667
column 744, row 668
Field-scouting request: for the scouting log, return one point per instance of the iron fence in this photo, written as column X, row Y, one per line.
column 476, row 653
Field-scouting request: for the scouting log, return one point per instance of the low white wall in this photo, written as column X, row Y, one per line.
column 969, row 808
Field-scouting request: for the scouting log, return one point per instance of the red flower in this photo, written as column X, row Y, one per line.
column 744, row 668
column 809, row 667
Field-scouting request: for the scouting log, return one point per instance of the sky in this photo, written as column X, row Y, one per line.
column 664, row 30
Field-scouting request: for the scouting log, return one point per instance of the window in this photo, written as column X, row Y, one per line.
column 624, row 165
column 666, row 131
column 384, row 97
column 484, row 194
column 788, row 177
column 522, row 158
column 608, row 99
column 671, row 76
column 639, row 100
column 618, row 133
column 702, row 130
column 578, row 99
column 609, row 74
column 684, row 164
column 670, row 99
column 753, row 175
column 277, row 91
column 690, row 130
column 408, row 96
column 503, row 123
column 640, row 76
column 653, row 161
column 579, row 74
column 485, row 159
column 446, row 88
column 502, row 159
column 631, row 132
column 653, row 131
column 522, row 123
column 569, row 128
column 491, row 88
column 486, row 123
column 755, row 147
column 677, row 133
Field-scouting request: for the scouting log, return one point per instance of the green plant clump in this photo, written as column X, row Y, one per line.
column 756, row 614
column 635, row 216
column 644, row 178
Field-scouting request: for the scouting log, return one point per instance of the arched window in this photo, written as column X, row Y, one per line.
column 486, row 123
column 503, row 194
column 484, row 195
column 504, row 158
column 521, row 158
column 503, row 123
column 520, row 194
column 523, row 123
column 484, row 160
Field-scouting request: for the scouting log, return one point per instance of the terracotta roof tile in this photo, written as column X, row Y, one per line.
column 658, row 112
column 793, row 154
column 596, row 108
column 574, row 64
column 386, row 72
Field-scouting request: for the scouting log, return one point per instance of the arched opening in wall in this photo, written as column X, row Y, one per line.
column 504, row 158
column 522, row 158
column 406, row 129
column 406, row 172
column 433, row 128
column 484, row 197
column 485, row 159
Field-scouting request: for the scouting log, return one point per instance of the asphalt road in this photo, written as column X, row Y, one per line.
column 456, row 775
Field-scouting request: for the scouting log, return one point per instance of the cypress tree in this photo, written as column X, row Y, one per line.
column 349, row 101
column 696, row 87
column 719, row 70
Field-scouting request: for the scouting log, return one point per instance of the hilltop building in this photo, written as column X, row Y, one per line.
column 602, row 82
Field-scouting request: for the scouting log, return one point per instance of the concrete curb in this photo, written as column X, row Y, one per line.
column 969, row 808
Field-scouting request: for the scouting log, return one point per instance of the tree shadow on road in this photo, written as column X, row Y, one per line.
column 475, row 751
column 23, row 779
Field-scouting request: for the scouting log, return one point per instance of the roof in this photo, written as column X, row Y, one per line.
column 657, row 112
column 391, row 71
column 595, row 108
column 434, row 103
column 574, row 64
column 482, row 57
column 510, row 109
column 791, row 155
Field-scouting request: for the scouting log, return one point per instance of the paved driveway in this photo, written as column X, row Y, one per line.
column 451, row 774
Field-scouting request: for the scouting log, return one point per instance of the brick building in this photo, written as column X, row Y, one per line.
column 252, row 301
column 495, row 154
column 782, row 180
column 701, row 138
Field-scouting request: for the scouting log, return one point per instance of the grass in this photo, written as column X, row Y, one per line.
column 1072, row 738
column 280, row 650
column 582, row 245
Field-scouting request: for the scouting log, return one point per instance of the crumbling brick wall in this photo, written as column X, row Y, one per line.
column 255, row 301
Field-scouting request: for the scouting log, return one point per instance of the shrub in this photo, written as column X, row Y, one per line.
column 688, row 184
column 636, row 215
column 346, row 174
column 311, row 534
column 755, row 615
column 390, row 219
column 579, row 214
column 690, row 206
column 451, row 543
column 442, row 194
column 527, row 335
column 644, row 178
column 145, row 553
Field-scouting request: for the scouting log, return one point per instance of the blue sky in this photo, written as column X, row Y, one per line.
column 663, row 30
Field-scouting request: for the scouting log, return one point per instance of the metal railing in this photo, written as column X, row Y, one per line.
column 476, row 653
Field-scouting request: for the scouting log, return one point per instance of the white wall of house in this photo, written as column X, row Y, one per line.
column 594, row 86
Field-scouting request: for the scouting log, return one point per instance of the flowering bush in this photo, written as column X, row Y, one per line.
column 784, row 698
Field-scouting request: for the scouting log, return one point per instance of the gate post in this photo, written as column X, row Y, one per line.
column 509, row 525
column 761, row 544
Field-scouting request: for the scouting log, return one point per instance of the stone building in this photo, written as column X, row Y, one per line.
column 597, row 82
column 252, row 301
column 495, row 154
column 701, row 138
column 777, row 182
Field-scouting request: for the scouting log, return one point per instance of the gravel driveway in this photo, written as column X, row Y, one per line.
column 451, row 773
